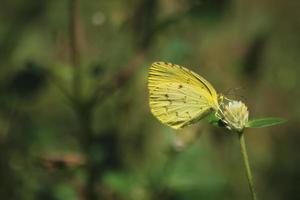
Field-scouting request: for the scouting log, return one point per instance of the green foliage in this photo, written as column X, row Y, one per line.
column 264, row 122
column 56, row 145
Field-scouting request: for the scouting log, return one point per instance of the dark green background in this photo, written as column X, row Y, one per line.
column 78, row 126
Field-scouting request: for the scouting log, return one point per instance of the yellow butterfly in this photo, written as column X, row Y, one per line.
column 178, row 96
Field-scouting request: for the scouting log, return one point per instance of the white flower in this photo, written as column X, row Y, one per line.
column 236, row 115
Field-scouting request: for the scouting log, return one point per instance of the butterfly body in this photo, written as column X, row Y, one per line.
column 178, row 96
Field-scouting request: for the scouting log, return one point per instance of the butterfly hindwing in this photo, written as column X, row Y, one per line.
column 178, row 96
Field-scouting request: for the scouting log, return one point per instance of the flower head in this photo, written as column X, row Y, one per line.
column 236, row 115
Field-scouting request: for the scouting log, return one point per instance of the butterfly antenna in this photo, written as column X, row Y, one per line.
column 231, row 92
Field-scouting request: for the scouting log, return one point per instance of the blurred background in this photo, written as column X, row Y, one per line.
column 74, row 116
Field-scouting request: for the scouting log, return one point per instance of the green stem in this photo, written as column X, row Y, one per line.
column 247, row 165
column 75, row 47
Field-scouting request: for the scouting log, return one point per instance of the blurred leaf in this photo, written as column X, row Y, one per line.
column 265, row 122
column 29, row 81
column 65, row 191
column 123, row 183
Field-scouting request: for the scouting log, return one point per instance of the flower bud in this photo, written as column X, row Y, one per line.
column 236, row 115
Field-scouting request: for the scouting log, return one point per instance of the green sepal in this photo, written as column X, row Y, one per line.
column 215, row 121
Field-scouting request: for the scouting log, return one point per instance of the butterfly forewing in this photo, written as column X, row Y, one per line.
column 178, row 96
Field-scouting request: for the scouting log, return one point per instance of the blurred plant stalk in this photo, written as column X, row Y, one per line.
column 236, row 117
column 84, row 107
column 75, row 46
column 247, row 164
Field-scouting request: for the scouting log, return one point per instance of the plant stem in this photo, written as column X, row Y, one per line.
column 75, row 47
column 247, row 165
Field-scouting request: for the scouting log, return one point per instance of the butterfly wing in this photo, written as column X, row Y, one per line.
column 178, row 96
